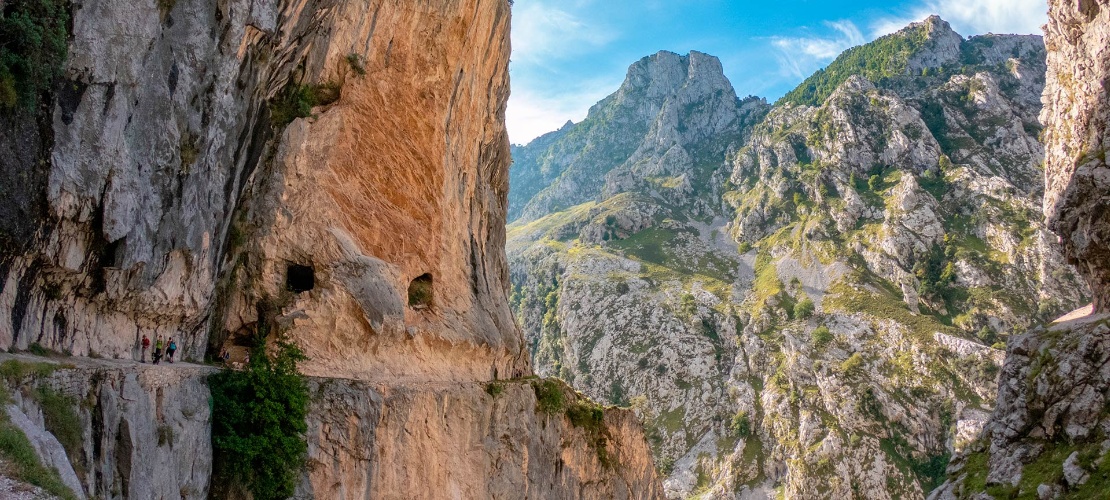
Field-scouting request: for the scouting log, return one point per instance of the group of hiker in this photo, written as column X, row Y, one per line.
column 170, row 349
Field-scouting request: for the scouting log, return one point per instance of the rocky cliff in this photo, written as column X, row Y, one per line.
column 189, row 173
column 143, row 432
column 818, row 303
column 332, row 173
column 1048, row 436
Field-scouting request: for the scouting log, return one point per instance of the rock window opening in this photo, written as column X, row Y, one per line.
column 420, row 292
column 300, row 278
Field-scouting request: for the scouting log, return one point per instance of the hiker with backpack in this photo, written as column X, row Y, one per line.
column 170, row 349
column 158, row 350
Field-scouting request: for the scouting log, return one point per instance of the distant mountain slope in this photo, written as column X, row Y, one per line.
column 673, row 116
column 816, row 304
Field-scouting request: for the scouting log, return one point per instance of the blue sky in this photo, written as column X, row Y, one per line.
column 569, row 54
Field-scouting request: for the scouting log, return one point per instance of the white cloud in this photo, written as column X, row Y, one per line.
column 800, row 56
column 532, row 113
column 542, row 32
column 975, row 17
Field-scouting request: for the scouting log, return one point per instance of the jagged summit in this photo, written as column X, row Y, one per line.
column 680, row 107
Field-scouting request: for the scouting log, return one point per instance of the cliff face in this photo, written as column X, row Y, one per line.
column 1048, row 435
column 178, row 200
column 332, row 171
column 144, row 433
column 1076, row 116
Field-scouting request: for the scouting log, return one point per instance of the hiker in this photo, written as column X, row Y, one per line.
column 158, row 350
column 170, row 349
column 146, row 345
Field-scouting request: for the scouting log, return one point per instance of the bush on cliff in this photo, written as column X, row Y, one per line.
column 258, row 423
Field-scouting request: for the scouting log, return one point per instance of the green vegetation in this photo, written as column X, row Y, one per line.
column 549, row 396
column 590, row 417
column 23, row 462
column 421, row 291
column 15, row 371
column 495, row 388
column 884, row 58
column 852, row 365
column 33, row 51
column 355, row 62
column 803, row 309
column 741, row 425
column 297, row 101
column 822, row 336
column 59, row 416
column 258, row 422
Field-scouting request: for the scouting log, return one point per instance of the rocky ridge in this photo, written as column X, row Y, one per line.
column 794, row 312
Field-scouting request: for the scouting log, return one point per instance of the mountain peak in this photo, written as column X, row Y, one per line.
column 665, row 72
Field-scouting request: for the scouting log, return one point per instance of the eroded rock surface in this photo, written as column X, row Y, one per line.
column 1077, row 134
column 146, row 434
column 1048, row 437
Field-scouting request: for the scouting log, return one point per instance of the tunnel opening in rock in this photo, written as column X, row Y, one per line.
column 421, row 292
column 300, row 278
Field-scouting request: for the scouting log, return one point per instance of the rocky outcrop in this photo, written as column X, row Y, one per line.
column 146, row 434
column 1076, row 117
column 467, row 441
column 783, row 315
column 1048, row 435
column 179, row 199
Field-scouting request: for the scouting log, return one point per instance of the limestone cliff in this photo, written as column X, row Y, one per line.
column 329, row 170
column 144, row 433
column 177, row 197
column 1048, row 437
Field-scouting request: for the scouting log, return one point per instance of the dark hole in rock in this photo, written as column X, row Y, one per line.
column 300, row 278
column 420, row 292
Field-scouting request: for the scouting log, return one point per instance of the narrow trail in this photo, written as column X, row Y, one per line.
column 197, row 369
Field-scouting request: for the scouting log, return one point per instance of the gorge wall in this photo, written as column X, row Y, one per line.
column 144, row 433
column 1049, row 436
column 178, row 193
column 334, row 172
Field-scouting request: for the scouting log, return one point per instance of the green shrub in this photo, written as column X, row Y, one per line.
column 804, row 309
column 16, row 371
column 33, row 50
column 884, row 58
column 549, row 396
column 495, row 389
column 355, row 62
column 297, row 101
column 258, row 422
column 853, row 364
column 741, row 425
column 822, row 336
column 421, row 291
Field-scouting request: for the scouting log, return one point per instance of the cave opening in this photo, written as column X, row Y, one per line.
column 300, row 278
column 421, row 292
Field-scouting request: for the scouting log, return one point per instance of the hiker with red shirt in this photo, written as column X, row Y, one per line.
column 146, row 345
